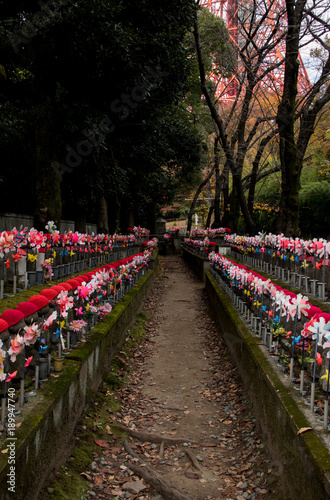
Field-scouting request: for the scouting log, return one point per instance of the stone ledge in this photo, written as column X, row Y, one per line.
column 303, row 460
column 48, row 423
column 197, row 262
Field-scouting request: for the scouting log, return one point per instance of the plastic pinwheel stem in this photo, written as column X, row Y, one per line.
column 326, row 414
column 291, row 368
column 312, row 396
column 36, row 381
column 3, row 410
column 21, row 394
column 302, row 374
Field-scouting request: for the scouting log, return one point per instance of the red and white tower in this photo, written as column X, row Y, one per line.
column 251, row 26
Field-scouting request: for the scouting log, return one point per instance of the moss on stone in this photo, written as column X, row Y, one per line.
column 279, row 395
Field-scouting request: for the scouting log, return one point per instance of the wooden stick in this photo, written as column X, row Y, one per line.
column 161, row 449
column 193, row 460
column 132, row 453
column 162, row 486
column 152, row 438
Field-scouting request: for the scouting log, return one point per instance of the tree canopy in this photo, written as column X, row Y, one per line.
column 88, row 94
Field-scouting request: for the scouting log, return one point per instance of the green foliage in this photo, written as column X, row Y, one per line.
column 315, row 209
column 89, row 61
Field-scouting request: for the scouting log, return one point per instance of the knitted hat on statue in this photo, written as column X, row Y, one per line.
column 49, row 293
column 3, row 325
column 12, row 316
column 27, row 308
column 39, row 300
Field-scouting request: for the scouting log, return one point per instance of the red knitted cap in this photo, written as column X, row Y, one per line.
column 74, row 283
column 27, row 308
column 85, row 277
column 49, row 293
column 60, row 287
column 66, row 286
column 12, row 316
column 3, row 325
column 79, row 279
column 39, row 300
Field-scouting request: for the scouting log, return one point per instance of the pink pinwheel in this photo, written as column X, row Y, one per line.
column 28, row 361
column 3, row 355
column 16, row 346
column 49, row 321
column 79, row 311
column 10, row 377
column 31, row 334
column 65, row 303
column 83, row 291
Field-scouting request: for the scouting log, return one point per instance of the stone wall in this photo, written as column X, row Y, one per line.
column 198, row 263
column 47, row 428
column 303, row 461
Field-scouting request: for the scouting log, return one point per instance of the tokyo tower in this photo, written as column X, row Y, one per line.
column 252, row 27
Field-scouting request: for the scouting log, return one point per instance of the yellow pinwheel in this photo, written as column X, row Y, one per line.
column 32, row 257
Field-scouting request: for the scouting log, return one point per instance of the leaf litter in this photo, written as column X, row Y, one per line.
column 183, row 387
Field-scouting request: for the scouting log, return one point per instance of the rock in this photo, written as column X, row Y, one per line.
column 134, row 487
column 242, row 486
column 50, row 490
column 92, row 493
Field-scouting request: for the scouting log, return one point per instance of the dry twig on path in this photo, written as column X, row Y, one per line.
column 162, row 486
column 193, row 460
column 149, row 437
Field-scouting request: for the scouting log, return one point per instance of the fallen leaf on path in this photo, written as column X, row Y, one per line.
column 102, row 443
column 86, row 476
column 98, row 480
column 304, row 429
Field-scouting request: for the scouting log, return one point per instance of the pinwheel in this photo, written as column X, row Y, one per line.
column 16, row 346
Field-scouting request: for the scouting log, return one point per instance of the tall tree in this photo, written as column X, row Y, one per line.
column 256, row 107
column 66, row 55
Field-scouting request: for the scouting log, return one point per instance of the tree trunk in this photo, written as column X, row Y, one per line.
column 225, row 195
column 288, row 222
column 217, row 221
column 209, row 216
column 236, row 173
column 102, row 215
column 193, row 203
column 48, row 205
column 80, row 222
column 233, row 214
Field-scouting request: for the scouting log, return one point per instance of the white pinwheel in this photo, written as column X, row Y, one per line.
column 299, row 305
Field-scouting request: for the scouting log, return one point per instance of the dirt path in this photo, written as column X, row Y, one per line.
column 183, row 385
